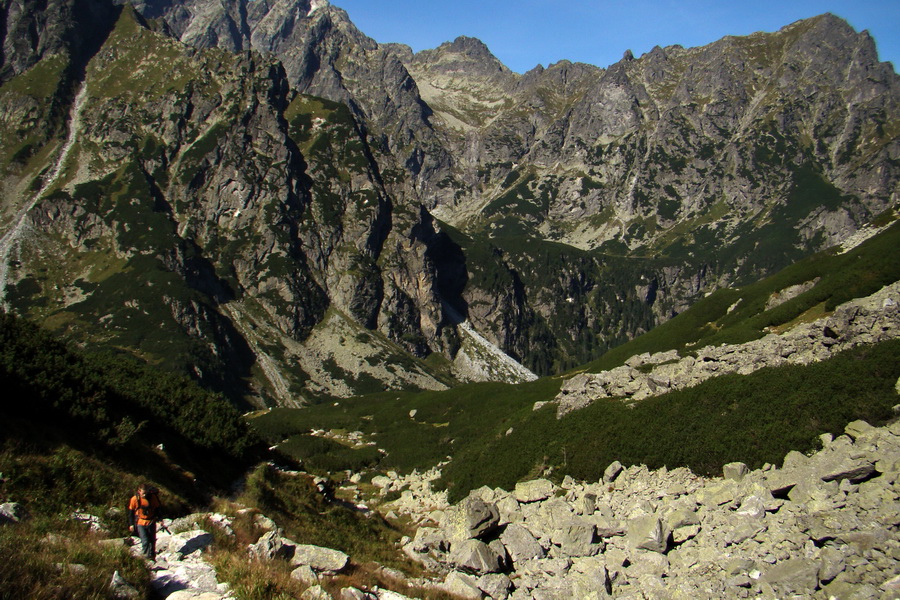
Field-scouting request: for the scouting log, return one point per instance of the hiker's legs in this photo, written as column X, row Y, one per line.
column 147, row 533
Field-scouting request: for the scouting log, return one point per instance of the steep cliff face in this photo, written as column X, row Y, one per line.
column 320, row 212
column 195, row 200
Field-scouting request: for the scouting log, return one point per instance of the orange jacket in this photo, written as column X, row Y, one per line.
column 144, row 509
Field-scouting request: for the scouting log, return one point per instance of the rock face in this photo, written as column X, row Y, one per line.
column 821, row 526
column 315, row 212
column 857, row 322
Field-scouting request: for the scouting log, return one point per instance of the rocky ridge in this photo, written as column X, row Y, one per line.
column 820, row 526
column 869, row 320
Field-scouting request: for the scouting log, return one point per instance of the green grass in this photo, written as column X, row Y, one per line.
column 444, row 421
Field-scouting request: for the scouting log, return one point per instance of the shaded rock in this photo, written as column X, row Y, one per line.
column 13, row 512
column 612, row 471
column 475, row 556
column 270, row 546
column 793, row 576
column 121, row 589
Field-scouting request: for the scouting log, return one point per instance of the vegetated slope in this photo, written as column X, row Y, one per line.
column 277, row 224
column 81, row 431
column 495, row 437
column 116, row 409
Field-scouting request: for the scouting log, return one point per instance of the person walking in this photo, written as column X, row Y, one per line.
column 143, row 510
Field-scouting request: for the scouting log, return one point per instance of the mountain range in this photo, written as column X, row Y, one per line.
column 259, row 195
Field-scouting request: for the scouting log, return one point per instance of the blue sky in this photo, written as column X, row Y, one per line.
column 525, row 33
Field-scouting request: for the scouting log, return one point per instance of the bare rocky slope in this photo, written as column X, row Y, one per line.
column 321, row 212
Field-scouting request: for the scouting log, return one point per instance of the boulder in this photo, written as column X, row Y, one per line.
column 474, row 556
column 648, row 533
column 612, row 471
column 521, row 544
column 270, row 546
column 534, row 491
column 495, row 585
column 184, row 543
column 305, row 575
column 323, row 560
column 13, row 512
column 316, row 592
column 471, row 518
column 577, row 538
column 464, row 586
column 793, row 576
column 735, row 471
column 121, row 589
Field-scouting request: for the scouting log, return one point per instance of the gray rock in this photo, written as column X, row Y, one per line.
column 648, row 533
column 316, row 592
column 735, row 471
column 534, row 491
column 521, row 544
column 305, row 575
column 474, row 556
column 269, row 546
column 188, row 542
column 462, row 585
column 577, row 538
column 495, row 585
column 793, row 576
column 612, row 471
column 121, row 589
column 323, row 560
column 13, row 512
column 471, row 518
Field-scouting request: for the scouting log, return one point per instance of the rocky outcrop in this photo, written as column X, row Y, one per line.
column 857, row 322
column 820, row 526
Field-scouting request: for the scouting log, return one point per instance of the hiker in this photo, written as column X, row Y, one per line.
column 143, row 509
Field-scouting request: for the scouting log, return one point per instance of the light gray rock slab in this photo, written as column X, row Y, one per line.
column 323, row 560
column 534, row 491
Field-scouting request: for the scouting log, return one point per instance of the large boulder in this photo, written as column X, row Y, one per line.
column 521, row 544
column 323, row 560
column 474, row 556
column 794, row 576
column 647, row 532
column 472, row 518
column 184, row 543
column 534, row 491
column 270, row 546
